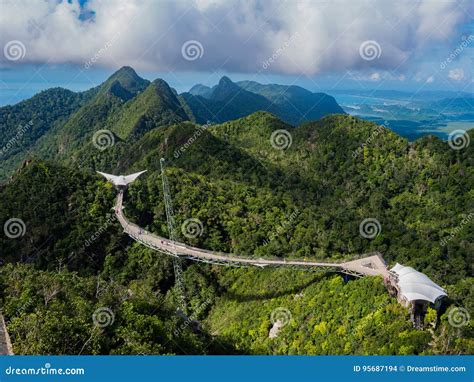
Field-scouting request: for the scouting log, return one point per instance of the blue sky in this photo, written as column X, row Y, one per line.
column 320, row 45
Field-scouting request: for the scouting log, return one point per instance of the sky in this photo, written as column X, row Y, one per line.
column 321, row 45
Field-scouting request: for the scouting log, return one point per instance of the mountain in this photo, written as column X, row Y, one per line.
column 23, row 124
column 98, row 114
column 302, row 195
column 66, row 125
column 112, row 96
column 63, row 123
column 157, row 105
column 228, row 100
column 125, row 83
column 295, row 104
column 201, row 90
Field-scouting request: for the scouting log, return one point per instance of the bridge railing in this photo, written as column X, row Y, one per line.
column 225, row 258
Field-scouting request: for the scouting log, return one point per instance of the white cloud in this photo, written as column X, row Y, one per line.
column 430, row 80
column 148, row 34
column 375, row 76
column 456, row 74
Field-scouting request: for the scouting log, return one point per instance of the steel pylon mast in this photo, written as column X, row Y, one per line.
column 177, row 262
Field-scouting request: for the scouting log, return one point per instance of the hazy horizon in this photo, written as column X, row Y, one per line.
column 19, row 84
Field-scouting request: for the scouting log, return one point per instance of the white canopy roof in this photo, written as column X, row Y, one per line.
column 415, row 285
column 121, row 180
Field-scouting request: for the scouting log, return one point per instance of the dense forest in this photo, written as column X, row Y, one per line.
column 73, row 283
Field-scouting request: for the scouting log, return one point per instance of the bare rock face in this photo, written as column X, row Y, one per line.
column 275, row 329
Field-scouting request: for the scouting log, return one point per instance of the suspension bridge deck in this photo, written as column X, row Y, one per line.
column 5, row 344
column 371, row 265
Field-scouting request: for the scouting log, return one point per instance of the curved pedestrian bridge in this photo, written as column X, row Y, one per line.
column 5, row 344
column 369, row 265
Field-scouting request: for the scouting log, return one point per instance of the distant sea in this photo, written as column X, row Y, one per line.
column 12, row 93
column 376, row 109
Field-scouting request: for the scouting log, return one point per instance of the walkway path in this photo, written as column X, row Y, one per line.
column 5, row 344
column 371, row 265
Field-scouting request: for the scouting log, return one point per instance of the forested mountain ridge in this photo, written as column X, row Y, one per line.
column 65, row 125
column 228, row 100
column 97, row 115
column 296, row 105
column 124, row 104
column 23, row 124
column 302, row 194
